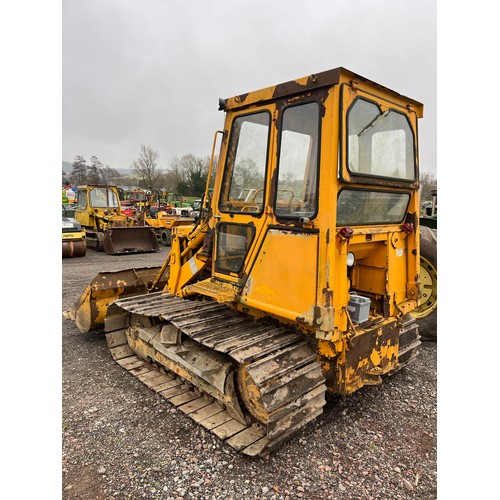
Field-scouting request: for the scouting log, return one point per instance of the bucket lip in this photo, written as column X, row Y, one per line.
column 130, row 239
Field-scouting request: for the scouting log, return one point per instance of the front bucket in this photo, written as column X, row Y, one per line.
column 133, row 239
column 90, row 310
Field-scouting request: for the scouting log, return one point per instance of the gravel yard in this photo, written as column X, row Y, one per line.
column 122, row 440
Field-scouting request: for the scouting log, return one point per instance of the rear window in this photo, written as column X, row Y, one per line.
column 358, row 207
column 380, row 144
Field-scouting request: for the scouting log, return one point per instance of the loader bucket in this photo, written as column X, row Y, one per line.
column 105, row 288
column 132, row 239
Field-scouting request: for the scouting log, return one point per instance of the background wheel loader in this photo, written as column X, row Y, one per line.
column 99, row 212
column 300, row 275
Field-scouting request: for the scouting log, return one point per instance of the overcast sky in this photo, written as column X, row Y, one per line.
column 151, row 71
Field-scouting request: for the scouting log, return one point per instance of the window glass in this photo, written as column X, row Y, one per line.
column 298, row 162
column 233, row 242
column 82, row 200
column 103, row 198
column 379, row 144
column 138, row 197
column 357, row 207
column 244, row 177
column 112, row 199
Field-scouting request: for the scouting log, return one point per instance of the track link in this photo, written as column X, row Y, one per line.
column 195, row 353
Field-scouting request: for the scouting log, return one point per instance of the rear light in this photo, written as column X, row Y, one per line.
column 346, row 232
column 407, row 227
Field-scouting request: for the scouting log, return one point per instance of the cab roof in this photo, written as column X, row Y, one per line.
column 327, row 78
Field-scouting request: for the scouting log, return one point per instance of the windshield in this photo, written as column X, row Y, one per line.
column 379, row 144
column 103, row 198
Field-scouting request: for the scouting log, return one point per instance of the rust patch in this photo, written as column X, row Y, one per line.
column 386, row 306
column 241, row 98
column 370, row 354
column 301, row 320
column 314, row 81
column 328, row 297
column 274, row 183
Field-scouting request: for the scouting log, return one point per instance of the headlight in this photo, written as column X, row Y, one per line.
column 350, row 259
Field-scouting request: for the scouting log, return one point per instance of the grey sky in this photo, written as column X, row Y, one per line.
column 151, row 71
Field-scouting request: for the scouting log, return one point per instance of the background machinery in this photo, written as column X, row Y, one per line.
column 426, row 313
column 73, row 238
column 300, row 275
column 99, row 212
column 162, row 218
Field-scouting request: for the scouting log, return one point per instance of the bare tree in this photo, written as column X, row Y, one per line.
column 427, row 183
column 110, row 176
column 189, row 174
column 79, row 171
column 146, row 167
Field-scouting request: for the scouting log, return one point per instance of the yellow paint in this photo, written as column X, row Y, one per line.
column 277, row 282
column 326, row 349
column 375, row 357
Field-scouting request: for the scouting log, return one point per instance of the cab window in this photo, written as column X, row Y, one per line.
column 379, row 143
column 297, row 189
column 103, row 198
column 244, row 176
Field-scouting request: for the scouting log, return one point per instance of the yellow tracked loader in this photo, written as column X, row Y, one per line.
column 300, row 274
column 98, row 210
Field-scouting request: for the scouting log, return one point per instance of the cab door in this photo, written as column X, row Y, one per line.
column 240, row 210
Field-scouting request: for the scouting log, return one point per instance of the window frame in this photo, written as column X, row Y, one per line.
column 391, row 110
column 217, row 260
column 369, row 190
column 282, row 217
column 348, row 95
column 227, row 169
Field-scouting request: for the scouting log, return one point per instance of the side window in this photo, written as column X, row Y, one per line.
column 297, row 190
column 82, row 200
column 233, row 242
column 379, row 143
column 245, row 173
column 112, row 199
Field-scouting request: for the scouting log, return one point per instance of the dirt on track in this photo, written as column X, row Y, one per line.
column 122, row 440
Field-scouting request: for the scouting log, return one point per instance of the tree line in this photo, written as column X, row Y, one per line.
column 186, row 175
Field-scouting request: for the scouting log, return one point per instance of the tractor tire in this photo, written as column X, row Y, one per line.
column 166, row 238
column 426, row 313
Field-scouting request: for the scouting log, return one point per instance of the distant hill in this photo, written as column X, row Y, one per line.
column 67, row 166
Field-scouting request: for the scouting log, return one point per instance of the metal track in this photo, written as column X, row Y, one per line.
column 194, row 353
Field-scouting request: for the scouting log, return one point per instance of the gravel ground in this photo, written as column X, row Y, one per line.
column 122, row 440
